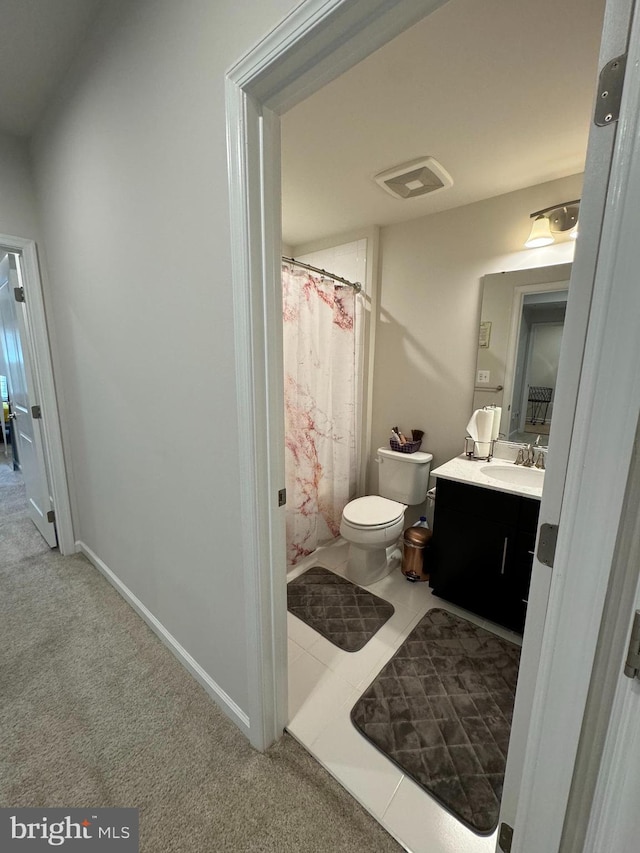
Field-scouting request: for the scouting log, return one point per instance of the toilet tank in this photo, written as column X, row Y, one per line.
column 404, row 477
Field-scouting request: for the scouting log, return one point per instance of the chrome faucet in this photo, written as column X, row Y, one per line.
column 525, row 456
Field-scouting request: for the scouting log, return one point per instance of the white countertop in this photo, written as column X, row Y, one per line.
column 462, row 469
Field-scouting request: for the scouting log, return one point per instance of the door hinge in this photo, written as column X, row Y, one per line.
column 18, row 294
column 632, row 663
column 282, row 497
column 36, row 412
column 609, row 95
column 547, row 544
column 51, row 516
column 505, row 837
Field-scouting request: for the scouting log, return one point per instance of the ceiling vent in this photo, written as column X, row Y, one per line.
column 418, row 177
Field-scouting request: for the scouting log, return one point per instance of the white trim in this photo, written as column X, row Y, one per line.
column 318, row 41
column 45, row 387
column 260, row 421
column 604, row 429
column 615, row 803
column 595, row 193
column 314, row 44
column 611, row 734
column 222, row 699
column 373, row 285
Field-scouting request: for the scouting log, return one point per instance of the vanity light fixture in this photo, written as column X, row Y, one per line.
column 559, row 218
column 540, row 233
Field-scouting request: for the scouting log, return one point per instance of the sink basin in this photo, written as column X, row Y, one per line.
column 515, row 474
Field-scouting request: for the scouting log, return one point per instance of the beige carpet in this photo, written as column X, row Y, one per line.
column 94, row 711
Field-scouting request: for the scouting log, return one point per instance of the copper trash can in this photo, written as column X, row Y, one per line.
column 414, row 544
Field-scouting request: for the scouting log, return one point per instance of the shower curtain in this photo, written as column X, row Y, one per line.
column 320, row 407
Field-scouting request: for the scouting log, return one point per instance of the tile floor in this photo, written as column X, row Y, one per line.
column 324, row 684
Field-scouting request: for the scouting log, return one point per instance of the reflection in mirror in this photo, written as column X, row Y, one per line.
column 521, row 324
column 536, row 370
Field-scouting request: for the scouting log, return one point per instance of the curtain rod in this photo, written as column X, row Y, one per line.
column 354, row 284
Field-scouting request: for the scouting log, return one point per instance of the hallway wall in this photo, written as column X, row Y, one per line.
column 131, row 175
column 17, row 199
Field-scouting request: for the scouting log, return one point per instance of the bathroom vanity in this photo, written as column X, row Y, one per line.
column 484, row 534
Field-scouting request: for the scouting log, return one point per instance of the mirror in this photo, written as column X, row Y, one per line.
column 521, row 325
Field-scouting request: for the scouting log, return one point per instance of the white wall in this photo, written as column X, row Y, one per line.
column 427, row 335
column 131, row 175
column 17, row 201
column 545, row 356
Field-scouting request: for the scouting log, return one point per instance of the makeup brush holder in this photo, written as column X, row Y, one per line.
column 475, row 449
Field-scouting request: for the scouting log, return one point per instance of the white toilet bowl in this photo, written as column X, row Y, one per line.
column 371, row 525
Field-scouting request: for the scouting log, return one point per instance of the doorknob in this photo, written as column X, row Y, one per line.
column 12, row 416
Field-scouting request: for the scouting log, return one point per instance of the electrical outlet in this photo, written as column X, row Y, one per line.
column 484, row 377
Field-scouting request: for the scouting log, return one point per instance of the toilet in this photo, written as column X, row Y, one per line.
column 371, row 525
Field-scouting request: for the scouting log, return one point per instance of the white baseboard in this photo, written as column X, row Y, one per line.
column 222, row 699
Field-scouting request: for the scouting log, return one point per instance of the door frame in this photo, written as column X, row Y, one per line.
column 318, row 41
column 315, row 43
column 38, row 346
column 610, row 819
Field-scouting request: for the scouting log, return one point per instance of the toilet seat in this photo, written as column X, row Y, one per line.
column 372, row 512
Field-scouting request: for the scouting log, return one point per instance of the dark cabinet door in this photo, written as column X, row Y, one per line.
column 482, row 551
column 472, row 557
column 518, row 579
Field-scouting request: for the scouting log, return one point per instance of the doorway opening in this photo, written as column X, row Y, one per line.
column 24, row 435
column 325, row 681
column 33, row 466
column 260, row 265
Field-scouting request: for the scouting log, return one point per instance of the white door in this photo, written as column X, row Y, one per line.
column 26, row 430
column 615, row 818
column 561, row 632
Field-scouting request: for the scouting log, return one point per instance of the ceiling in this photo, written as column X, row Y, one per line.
column 499, row 93
column 38, row 41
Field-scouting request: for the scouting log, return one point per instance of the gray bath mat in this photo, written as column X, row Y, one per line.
column 441, row 710
column 347, row 615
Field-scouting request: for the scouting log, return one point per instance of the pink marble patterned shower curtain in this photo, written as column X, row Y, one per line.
column 320, row 408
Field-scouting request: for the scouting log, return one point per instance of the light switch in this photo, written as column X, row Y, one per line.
column 484, row 377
